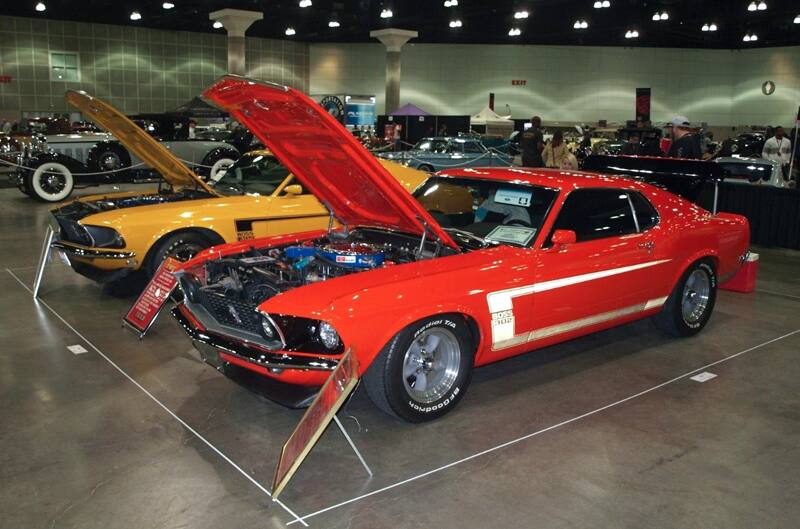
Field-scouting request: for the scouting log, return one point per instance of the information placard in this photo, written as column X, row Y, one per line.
column 317, row 417
column 152, row 299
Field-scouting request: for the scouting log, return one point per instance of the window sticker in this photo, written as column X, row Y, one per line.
column 520, row 235
column 513, row 197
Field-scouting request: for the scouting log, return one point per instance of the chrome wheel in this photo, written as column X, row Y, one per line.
column 184, row 251
column 431, row 365
column 696, row 293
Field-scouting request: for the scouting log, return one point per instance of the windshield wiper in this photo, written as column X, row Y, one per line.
column 469, row 235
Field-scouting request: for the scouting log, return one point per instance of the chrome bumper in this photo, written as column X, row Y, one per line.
column 270, row 360
column 92, row 253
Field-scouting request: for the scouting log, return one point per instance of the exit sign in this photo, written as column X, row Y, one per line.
column 519, row 82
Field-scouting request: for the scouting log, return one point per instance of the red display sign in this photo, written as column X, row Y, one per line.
column 144, row 312
column 317, row 417
column 519, row 82
column 5, row 79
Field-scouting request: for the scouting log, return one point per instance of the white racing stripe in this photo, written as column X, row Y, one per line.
column 501, row 305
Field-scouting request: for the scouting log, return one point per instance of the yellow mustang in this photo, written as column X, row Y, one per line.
column 107, row 237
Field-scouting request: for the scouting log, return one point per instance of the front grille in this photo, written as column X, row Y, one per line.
column 223, row 310
column 72, row 231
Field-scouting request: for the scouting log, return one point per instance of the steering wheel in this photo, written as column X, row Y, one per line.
column 518, row 222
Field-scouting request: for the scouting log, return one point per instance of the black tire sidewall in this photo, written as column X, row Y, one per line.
column 397, row 396
column 689, row 329
column 168, row 245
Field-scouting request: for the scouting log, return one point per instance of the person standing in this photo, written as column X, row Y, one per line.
column 531, row 143
column 632, row 146
column 555, row 152
column 684, row 143
column 778, row 147
column 6, row 127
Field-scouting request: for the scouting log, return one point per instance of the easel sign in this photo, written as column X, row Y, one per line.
column 144, row 312
column 44, row 258
column 318, row 416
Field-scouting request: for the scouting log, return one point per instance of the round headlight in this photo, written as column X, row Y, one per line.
column 328, row 335
column 267, row 329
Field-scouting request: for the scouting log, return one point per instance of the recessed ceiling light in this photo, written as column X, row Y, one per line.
column 455, row 23
column 709, row 27
column 289, row 32
column 217, row 25
column 305, row 3
column 762, row 6
column 386, row 13
column 750, row 38
column 657, row 17
column 514, row 32
column 602, row 5
column 632, row 34
column 450, row 3
column 580, row 24
column 136, row 15
column 797, row 19
column 521, row 14
column 40, row 7
column 167, row 5
column 333, row 24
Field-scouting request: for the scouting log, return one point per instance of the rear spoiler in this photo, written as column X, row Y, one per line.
column 683, row 177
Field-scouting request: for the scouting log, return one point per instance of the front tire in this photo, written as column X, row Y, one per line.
column 50, row 182
column 424, row 371
column 691, row 303
column 181, row 246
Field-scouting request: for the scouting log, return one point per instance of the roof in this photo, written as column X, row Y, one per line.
column 553, row 178
column 487, row 115
column 409, row 109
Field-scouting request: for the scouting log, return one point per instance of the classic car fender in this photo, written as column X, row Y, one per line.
column 72, row 164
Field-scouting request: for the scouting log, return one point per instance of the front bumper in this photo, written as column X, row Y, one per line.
column 99, row 265
column 273, row 361
column 290, row 379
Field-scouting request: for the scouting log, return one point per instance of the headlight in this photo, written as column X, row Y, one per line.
column 328, row 335
column 267, row 329
column 103, row 237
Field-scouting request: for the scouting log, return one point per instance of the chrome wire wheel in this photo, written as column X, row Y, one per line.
column 110, row 161
column 431, row 365
column 696, row 294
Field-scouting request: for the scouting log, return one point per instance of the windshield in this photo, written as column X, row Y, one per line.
column 258, row 175
column 497, row 212
column 438, row 146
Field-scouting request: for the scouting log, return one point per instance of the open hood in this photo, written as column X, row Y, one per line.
column 324, row 156
column 137, row 141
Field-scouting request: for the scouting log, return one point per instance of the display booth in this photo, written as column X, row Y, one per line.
column 415, row 124
column 487, row 122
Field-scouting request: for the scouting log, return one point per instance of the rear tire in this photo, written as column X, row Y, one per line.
column 426, row 167
column 691, row 303
column 424, row 371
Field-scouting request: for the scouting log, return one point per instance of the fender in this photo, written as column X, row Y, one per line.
column 72, row 164
column 216, row 153
column 109, row 145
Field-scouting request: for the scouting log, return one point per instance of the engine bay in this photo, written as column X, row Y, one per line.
column 257, row 275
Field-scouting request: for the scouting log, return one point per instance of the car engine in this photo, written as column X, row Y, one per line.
column 257, row 275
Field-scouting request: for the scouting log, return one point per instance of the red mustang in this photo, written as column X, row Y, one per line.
column 479, row 265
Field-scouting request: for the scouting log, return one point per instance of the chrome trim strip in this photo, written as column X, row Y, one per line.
column 92, row 253
column 270, row 360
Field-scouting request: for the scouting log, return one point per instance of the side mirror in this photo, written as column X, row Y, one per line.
column 294, row 189
column 563, row 237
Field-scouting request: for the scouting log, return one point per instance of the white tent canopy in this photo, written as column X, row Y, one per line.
column 496, row 125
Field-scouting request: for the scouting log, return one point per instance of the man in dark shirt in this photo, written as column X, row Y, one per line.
column 684, row 143
column 531, row 143
column 632, row 147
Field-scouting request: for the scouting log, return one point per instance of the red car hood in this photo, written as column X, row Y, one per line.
column 324, row 156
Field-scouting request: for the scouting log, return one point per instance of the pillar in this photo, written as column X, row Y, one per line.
column 236, row 22
column 393, row 39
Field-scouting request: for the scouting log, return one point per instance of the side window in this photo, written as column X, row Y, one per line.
column 596, row 213
column 473, row 147
column 646, row 214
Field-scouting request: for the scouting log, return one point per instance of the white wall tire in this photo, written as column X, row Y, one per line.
column 52, row 182
column 219, row 167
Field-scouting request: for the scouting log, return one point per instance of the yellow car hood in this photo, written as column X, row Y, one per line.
column 136, row 140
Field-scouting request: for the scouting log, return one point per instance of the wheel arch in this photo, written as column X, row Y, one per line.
column 213, row 237
column 696, row 257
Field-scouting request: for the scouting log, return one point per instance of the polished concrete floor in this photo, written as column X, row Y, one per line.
column 608, row 431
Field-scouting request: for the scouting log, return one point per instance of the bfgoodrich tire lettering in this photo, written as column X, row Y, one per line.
column 424, row 371
column 691, row 303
